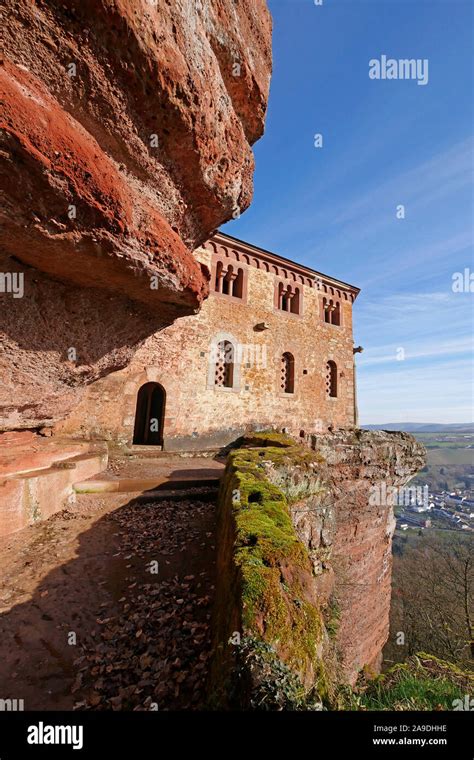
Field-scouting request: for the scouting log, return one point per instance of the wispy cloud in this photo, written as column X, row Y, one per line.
column 334, row 208
column 420, row 258
column 442, row 175
column 432, row 378
column 415, row 350
column 439, row 393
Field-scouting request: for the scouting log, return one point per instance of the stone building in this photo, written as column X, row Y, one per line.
column 272, row 346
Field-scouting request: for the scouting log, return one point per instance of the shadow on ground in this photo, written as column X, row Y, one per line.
column 108, row 606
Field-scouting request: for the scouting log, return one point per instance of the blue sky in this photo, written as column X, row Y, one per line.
column 385, row 143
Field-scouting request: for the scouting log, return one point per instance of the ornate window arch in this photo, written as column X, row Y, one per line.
column 288, row 297
column 331, row 311
column 331, row 379
column 224, row 363
column 287, row 373
column 228, row 278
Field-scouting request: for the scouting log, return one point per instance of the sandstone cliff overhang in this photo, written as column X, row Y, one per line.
column 125, row 140
column 126, row 133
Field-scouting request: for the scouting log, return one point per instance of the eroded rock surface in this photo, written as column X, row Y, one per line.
column 349, row 529
column 126, row 133
column 304, row 560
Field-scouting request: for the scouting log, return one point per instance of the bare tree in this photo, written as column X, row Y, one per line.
column 433, row 593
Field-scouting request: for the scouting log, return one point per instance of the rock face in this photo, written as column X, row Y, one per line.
column 352, row 524
column 267, row 617
column 126, row 128
column 313, row 594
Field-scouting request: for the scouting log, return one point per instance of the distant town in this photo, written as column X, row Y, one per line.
column 444, row 511
column 441, row 496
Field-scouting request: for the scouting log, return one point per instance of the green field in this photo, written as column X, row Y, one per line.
column 449, row 455
column 448, row 449
column 450, row 463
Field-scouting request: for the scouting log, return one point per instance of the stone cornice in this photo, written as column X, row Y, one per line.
column 232, row 248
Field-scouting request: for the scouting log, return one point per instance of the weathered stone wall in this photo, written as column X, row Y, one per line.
column 268, row 628
column 200, row 415
column 37, row 475
column 328, row 489
column 125, row 140
column 358, row 531
column 40, row 380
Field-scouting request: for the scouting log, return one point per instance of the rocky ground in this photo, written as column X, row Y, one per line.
column 107, row 605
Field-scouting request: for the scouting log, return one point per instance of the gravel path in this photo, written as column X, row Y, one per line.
column 108, row 605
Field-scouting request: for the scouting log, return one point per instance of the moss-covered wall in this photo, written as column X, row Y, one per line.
column 304, row 564
column 268, row 616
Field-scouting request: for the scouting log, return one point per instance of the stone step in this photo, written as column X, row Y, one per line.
column 156, row 452
column 134, row 485
column 206, row 493
column 26, row 452
column 144, row 451
column 29, row 496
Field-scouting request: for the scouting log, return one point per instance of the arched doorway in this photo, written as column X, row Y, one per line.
column 149, row 415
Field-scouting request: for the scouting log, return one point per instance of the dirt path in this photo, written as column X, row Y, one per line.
column 108, row 605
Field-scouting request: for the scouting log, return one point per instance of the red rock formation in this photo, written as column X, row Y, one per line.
column 125, row 140
column 354, row 533
column 337, row 499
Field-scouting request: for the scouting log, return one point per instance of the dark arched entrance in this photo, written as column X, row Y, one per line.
column 149, row 415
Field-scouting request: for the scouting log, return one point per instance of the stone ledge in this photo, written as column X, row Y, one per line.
column 38, row 476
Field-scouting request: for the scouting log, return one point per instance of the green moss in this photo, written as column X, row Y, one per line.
column 273, row 602
column 332, row 617
column 267, row 438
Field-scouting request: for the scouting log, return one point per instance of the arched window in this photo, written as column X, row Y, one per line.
column 295, row 302
column 227, row 281
column 238, row 284
column 326, row 310
column 332, row 311
column 287, row 373
column 288, row 298
column 224, row 373
column 219, row 277
column 283, row 300
column 331, row 379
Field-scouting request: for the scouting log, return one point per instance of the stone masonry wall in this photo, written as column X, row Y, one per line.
column 199, row 415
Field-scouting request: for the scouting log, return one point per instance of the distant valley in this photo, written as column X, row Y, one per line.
column 424, row 427
column 450, row 453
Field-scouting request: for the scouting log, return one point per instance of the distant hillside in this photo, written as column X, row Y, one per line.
column 424, row 427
